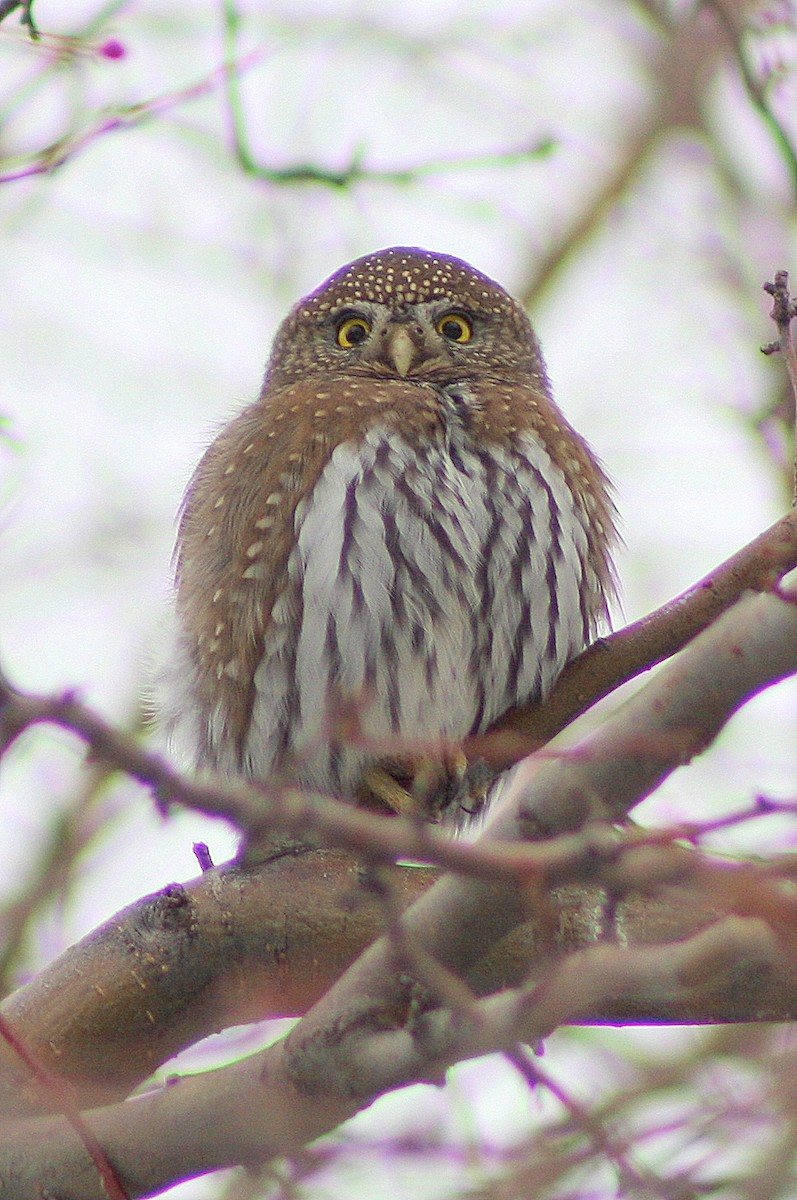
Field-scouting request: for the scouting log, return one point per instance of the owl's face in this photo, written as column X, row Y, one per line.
column 407, row 313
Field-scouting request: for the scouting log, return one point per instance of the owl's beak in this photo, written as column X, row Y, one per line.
column 401, row 350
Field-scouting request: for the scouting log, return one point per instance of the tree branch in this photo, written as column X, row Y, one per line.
column 253, row 1110
column 241, row 943
column 732, row 17
column 784, row 310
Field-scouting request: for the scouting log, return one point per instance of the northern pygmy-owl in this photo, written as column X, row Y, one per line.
column 402, row 525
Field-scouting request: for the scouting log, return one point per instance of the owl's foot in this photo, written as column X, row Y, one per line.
column 428, row 789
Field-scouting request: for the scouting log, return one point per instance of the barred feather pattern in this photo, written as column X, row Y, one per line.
column 439, row 587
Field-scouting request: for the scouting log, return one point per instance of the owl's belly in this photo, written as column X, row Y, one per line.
column 429, row 590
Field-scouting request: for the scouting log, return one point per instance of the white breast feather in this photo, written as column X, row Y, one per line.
column 412, row 658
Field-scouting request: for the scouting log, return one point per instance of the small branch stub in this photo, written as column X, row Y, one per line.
column 784, row 310
column 203, row 856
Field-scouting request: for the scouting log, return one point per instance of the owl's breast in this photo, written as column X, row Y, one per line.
column 426, row 559
column 430, row 586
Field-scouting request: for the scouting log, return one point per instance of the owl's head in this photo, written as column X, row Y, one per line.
column 407, row 313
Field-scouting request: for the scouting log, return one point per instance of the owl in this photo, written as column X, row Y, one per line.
column 401, row 538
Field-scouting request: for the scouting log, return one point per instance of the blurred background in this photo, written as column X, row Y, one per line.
column 173, row 176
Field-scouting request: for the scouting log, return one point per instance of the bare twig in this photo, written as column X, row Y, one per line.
column 258, row 810
column 634, row 1179
column 443, row 987
column 128, row 116
column 77, row 821
column 674, row 66
column 732, row 17
column 356, row 170
column 669, row 721
column 26, row 16
column 61, row 1093
column 120, row 118
column 604, row 666
column 784, row 310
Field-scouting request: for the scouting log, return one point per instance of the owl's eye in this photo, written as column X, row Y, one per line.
column 352, row 331
column 455, row 327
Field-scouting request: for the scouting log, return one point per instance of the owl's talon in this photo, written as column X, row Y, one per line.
column 382, row 788
column 423, row 787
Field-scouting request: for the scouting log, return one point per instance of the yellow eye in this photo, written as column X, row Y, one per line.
column 455, row 327
column 352, row 331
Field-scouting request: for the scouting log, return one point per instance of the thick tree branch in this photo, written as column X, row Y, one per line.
column 665, row 725
column 254, row 1110
column 243, row 943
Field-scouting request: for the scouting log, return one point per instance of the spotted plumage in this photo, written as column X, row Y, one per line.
column 402, row 525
